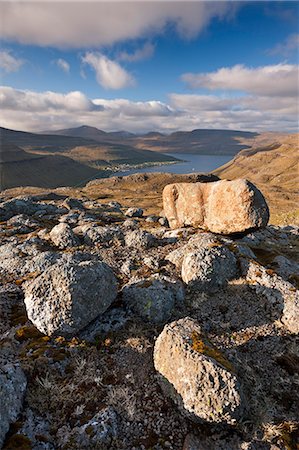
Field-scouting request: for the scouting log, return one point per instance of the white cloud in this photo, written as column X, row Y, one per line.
column 279, row 79
column 80, row 25
column 109, row 74
column 287, row 47
column 63, row 65
column 33, row 111
column 8, row 62
column 145, row 52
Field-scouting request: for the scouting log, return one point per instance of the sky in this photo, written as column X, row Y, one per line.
column 149, row 65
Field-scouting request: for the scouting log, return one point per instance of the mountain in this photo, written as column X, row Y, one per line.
column 214, row 142
column 44, row 160
column 93, row 133
column 19, row 168
column 42, row 142
column 205, row 142
column 84, row 131
column 274, row 169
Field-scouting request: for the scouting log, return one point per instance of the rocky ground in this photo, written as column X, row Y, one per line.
column 135, row 342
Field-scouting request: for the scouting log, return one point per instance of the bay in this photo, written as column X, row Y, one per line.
column 190, row 163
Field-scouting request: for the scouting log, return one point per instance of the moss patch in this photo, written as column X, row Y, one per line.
column 203, row 346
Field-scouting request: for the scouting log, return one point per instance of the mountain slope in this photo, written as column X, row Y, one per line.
column 199, row 142
column 19, row 168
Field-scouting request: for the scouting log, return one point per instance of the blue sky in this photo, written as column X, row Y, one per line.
column 149, row 65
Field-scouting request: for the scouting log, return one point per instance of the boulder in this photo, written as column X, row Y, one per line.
column 63, row 237
column 139, row 239
column 69, row 294
column 73, row 203
column 198, row 241
column 12, row 389
column 134, row 212
column 209, row 268
column 98, row 432
column 222, row 207
column 102, row 234
column 153, row 299
column 196, row 375
column 281, row 296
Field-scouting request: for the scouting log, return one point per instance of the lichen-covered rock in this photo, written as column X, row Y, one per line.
column 198, row 241
column 12, row 389
column 208, row 268
column 73, row 203
column 63, row 236
column 139, row 239
column 69, row 294
column 282, row 297
column 134, row 212
column 221, row 207
column 98, row 432
column 100, row 235
column 196, row 375
column 153, row 299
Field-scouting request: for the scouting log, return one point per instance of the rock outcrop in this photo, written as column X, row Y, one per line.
column 12, row 389
column 222, row 207
column 69, row 295
column 196, row 375
column 208, row 268
column 62, row 235
column 153, row 299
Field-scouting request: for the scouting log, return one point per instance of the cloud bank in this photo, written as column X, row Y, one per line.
column 101, row 23
column 32, row 111
column 275, row 80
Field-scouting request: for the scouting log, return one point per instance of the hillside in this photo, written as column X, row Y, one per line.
column 52, row 160
column 214, row 142
column 19, row 168
column 274, row 169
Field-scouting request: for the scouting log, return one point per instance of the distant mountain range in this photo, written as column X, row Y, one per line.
column 214, row 142
column 48, row 160
column 71, row 157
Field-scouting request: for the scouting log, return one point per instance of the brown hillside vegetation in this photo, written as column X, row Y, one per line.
column 274, row 169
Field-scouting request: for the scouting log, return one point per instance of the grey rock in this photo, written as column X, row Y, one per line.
column 198, row 241
column 153, row 299
column 140, row 239
column 69, row 295
column 12, row 389
column 209, row 268
column 134, row 212
column 196, row 375
column 130, row 224
column 63, row 237
column 71, row 218
column 285, row 267
column 98, row 432
column 100, row 235
column 281, row 296
column 22, row 220
column 163, row 221
column 73, row 203
column 152, row 219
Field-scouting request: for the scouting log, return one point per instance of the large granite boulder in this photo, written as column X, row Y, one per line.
column 69, row 294
column 12, row 389
column 221, row 207
column 196, row 375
